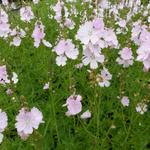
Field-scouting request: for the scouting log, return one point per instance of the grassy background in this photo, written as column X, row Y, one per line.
column 37, row 66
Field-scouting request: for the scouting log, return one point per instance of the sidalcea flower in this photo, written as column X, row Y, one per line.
column 3, row 75
column 3, row 124
column 3, row 121
column 125, row 101
column 86, row 115
column 4, row 25
column 65, row 49
column 90, row 32
column 27, row 121
column 5, row 2
column 126, row 58
column 92, row 55
column 46, row 86
column 141, row 108
column 26, row 14
column 17, row 34
column 74, row 105
column 38, row 35
column 144, row 55
column 104, row 78
column 58, row 11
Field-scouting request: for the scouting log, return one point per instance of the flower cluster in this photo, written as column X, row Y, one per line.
column 95, row 37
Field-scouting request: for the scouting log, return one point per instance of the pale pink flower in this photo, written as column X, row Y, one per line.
column 144, row 55
column 110, row 38
column 65, row 49
column 46, row 86
column 3, row 121
column 122, row 23
column 17, row 34
column 104, row 78
column 125, row 101
column 126, row 58
column 74, row 105
column 38, row 35
column 4, row 30
column 5, row 2
column 23, row 136
column 58, row 11
column 89, row 33
column 98, row 24
column 69, row 23
column 3, row 75
column 141, row 108
column 86, row 115
column 92, row 55
column 28, row 120
column 26, row 14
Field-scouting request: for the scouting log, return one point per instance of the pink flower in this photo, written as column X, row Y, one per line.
column 92, row 55
column 125, row 101
column 126, row 58
column 3, row 75
column 104, row 78
column 46, row 86
column 28, row 120
column 88, row 33
column 38, row 35
column 144, row 55
column 17, row 34
column 26, row 14
column 5, row 2
column 58, row 11
column 65, row 49
column 74, row 105
column 86, row 115
column 98, row 24
column 3, row 121
column 110, row 38
column 141, row 108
